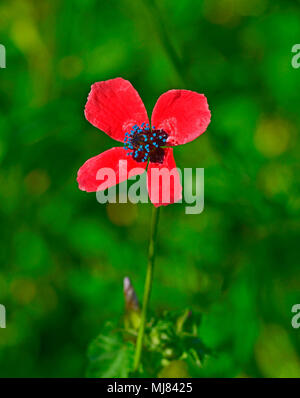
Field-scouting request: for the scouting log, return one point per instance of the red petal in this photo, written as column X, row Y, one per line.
column 107, row 162
column 114, row 106
column 183, row 114
column 164, row 191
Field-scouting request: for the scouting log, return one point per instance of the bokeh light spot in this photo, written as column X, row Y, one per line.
column 122, row 214
column 272, row 136
column 37, row 182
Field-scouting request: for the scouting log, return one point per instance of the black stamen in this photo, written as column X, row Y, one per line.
column 144, row 143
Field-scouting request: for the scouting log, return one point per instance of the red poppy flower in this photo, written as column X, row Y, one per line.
column 114, row 106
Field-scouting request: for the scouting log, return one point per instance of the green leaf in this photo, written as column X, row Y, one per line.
column 110, row 356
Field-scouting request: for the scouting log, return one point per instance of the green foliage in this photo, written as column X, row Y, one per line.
column 110, row 356
column 63, row 256
column 171, row 346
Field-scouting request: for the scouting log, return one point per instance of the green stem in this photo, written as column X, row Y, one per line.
column 147, row 289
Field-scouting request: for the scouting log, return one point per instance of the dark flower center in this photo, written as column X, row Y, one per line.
column 144, row 142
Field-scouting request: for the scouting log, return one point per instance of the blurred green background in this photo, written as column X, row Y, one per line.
column 63, row 256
